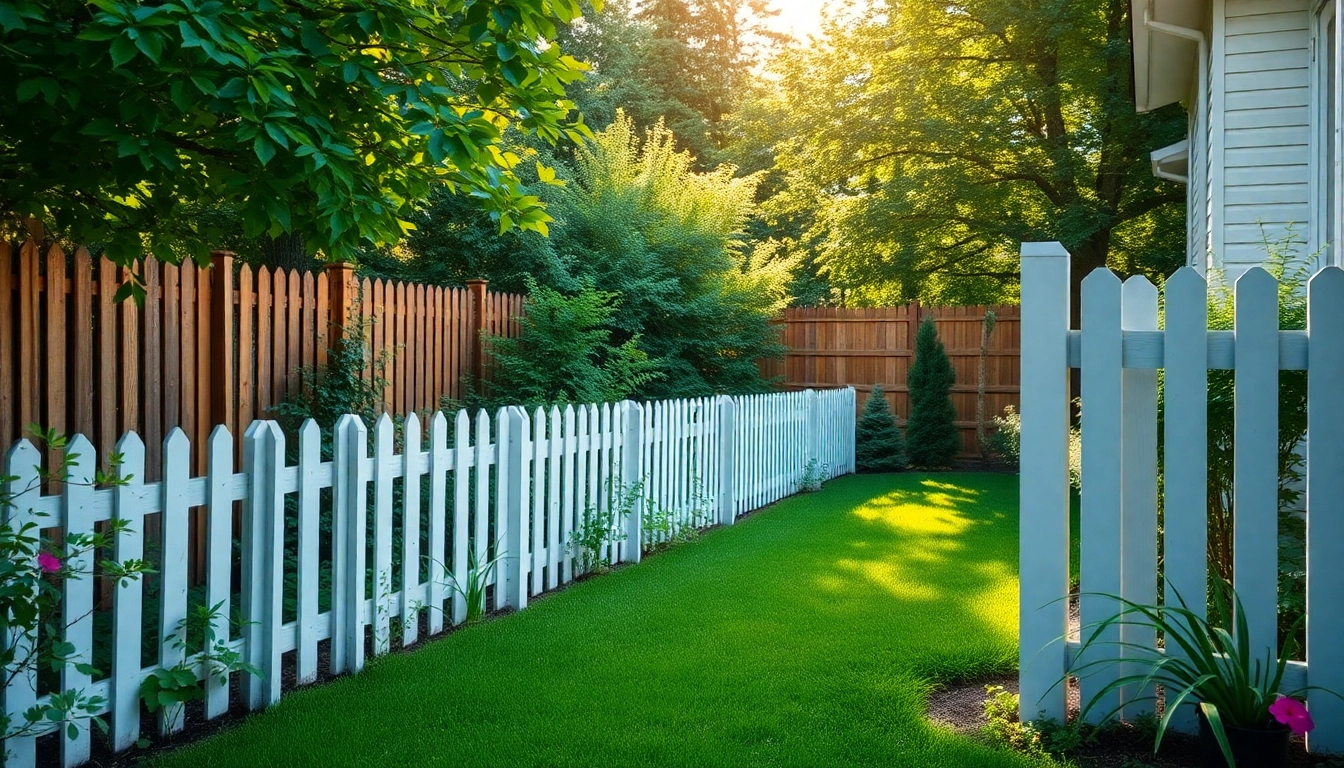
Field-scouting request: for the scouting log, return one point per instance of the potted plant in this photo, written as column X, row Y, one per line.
column 1244, row 718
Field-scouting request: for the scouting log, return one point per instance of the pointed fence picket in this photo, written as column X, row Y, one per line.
column 1120, row 350
column 515, row 489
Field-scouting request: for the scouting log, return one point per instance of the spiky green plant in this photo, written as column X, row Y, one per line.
column 477, row 579
column 1214, row 667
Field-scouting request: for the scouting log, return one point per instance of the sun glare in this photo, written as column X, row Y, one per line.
column 800, row 18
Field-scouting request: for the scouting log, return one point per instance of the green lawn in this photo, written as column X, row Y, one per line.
column 807, row 635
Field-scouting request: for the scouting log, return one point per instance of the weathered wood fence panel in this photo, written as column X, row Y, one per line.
column 219, row 345
column 1120, row 350
column 831, row 347
column 523, row 486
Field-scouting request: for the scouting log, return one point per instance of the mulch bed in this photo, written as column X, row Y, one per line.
column 961, row 708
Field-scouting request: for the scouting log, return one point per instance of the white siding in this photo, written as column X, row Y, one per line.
column 1266, row 127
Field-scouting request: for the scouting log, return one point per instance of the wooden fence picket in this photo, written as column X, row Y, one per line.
column 128, row 509
column 412, row 464
column 384, row 464
column 1255, row 547
column 308, row 578
column 174, row 532
column 439, row 560
column 77, row 593
column 1325, row 508
column 219, row 556
column 22, row 487
column 1185, row 484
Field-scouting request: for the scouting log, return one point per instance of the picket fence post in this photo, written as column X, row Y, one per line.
column 174, row 529
column 515, row 485
column 727, row 460
column 263, row 559
column 632, row 471
column 1325, row 509
column 21, row 470
column 1044, row 483
column 350, row 480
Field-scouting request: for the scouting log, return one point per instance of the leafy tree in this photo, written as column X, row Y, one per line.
column 306, row 117
column 564, row 352
column 878, row 446
column 931, row 431
column 455, row 241
column 928, row 139
column 637, row 221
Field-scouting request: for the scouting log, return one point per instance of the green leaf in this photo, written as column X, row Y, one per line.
column 122, row 51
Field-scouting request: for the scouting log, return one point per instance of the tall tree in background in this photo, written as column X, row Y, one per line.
column 927, row 140
column 300, row 116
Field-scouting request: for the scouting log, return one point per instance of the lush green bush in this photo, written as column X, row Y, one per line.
column 931, row 433
column 878, row 446
column 564, row 352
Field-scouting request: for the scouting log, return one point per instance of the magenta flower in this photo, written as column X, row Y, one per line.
column 1293, row 714
column 48, row 562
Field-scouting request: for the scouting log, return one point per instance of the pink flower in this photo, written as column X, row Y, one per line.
column 48, row 562
column 1293, row 714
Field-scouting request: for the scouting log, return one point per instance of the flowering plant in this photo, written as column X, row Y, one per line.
column 1205, row 663
column 31, row 575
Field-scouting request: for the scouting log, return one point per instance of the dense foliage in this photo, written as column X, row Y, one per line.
column 922, row 141
column 931, row 432
column 564, row 352
column 121, row 118
column 878, row 446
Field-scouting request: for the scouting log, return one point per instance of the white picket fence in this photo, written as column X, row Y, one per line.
column 514, row 487
column 1119, row 350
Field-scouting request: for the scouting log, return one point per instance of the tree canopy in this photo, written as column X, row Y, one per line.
column 926, row 140
column 332, row 120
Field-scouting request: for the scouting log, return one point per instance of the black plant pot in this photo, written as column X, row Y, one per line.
column 1252, row 748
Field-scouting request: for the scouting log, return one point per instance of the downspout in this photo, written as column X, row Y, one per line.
column 1201, row 88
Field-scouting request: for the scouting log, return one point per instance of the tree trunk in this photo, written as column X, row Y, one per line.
column 287, row 252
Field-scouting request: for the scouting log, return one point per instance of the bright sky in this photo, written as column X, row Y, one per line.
column 798, row 17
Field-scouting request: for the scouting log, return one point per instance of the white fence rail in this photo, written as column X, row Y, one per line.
column 1119, row 351
column 390, row 523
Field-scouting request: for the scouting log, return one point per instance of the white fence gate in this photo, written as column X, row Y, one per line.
column 515, row 487
column 1119, row 350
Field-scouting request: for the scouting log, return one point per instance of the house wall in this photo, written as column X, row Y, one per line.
column 1260, row 127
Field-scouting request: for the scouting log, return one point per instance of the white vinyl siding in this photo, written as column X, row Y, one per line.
column 1266, row 71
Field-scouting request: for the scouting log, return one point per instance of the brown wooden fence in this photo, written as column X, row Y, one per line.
column 862, row 347
column 218, row 345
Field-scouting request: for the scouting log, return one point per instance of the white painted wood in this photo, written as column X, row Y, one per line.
column 263, row 457
column 1185, row 484
column 1101, row 525
column 440, row 463
column 631, row 456
column 21, row 467
column 174, row 545
column 1255, row 537
column 537, row 523
column 1325, row 509
column 384, row 462
column 517, row 482
column 594, row 490
column 350, row 551
column 219, row 555
column 128, row 544
column 1044, row 554
column 410, row 529
column 308, row 562
column 555, row 445
column 569, row 457
column 503, row 472
column 77, row 593
column 606, row 480
column 462, row 456
column 481, row 534
column 1139, row 489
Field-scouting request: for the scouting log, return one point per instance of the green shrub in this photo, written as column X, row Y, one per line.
column 564, row 352
column 931, row 433
column 878, row 446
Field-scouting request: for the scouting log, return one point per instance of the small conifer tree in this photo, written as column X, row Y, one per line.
column 931, row 433
column 878, row 446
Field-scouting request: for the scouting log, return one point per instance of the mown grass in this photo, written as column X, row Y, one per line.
column 807, row 635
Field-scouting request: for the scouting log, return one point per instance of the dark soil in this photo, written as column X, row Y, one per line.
column 961, row 708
